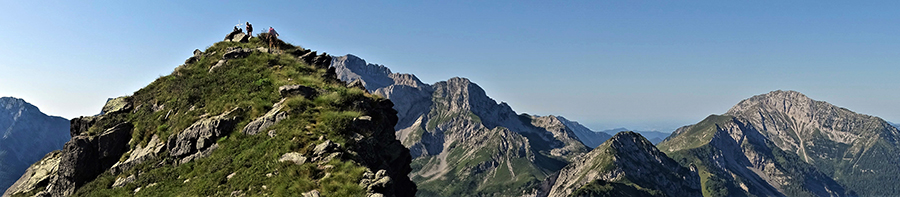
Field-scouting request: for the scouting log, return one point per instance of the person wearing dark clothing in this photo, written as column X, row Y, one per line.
column 249, row 29
column 273, row 35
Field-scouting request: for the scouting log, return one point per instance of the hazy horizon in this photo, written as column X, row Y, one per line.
column 642, row 66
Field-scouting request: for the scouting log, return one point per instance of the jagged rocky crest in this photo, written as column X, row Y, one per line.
column 236, row 119
column 463, row 142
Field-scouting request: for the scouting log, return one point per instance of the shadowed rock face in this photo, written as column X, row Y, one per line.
column 460, row 137
column 845, row 145
column 26, row 134
column 628, row 158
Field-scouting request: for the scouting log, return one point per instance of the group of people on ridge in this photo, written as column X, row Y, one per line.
column 270, row 37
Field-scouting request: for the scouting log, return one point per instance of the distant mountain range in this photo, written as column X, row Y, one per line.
column 653, row 136
column 26, row 134
column 463, row 142
column 777, row 144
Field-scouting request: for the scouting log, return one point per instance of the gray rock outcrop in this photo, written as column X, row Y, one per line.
column 84, row 157
column 117, row 105
column 201, row 135
column 267, row 120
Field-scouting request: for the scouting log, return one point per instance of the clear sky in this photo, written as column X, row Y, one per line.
column 638, row 64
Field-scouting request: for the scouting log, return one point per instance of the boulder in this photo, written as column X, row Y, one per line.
column 291, row 90
column 116, row 105
column 236, row 52
column 81, row 124
column 295, row 157
column 325, row 147
column 194, row 58
column 313, row 193
column 122, row 181
column 270, row 118
column 357, row 83
column 240, row 37
column 230, row 36
column 220, row 63
column 139, row 155
column 202, row 134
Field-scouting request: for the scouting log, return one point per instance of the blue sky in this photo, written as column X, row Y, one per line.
column 638, row 64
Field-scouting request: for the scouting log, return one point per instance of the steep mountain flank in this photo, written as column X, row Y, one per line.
column 587, row 136
column 236, row 119
column 463, row 142
column 857, row 150
column 734, row 159
column 26, row 134
column 625, row 165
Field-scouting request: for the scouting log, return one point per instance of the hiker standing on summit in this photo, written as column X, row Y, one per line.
column 273, row 35
column 249, row 29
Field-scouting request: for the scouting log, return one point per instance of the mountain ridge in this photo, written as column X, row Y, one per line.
column 846, row 145
column 27, row 134
column 439, row 121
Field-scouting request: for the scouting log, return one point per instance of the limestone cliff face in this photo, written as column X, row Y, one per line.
column 26, row 134
column 463, row 142
column 850, row 147
column 625, row 160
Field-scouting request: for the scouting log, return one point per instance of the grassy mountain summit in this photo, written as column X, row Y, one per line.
column 236, row 119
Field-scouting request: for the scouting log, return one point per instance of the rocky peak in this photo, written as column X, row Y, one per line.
column 15, row 108
column 373, row 76
column 625, row 160
column 630, row 140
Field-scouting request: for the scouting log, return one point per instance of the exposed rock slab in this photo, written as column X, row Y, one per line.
column 267, row 120
column 202, row 134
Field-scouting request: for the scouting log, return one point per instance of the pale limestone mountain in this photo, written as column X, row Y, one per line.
column 625, row 165
column 26, row 134
column 857, row 150
column 734, row 159
column 463, row 142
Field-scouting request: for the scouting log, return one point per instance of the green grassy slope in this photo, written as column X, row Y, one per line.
column 246, row 164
